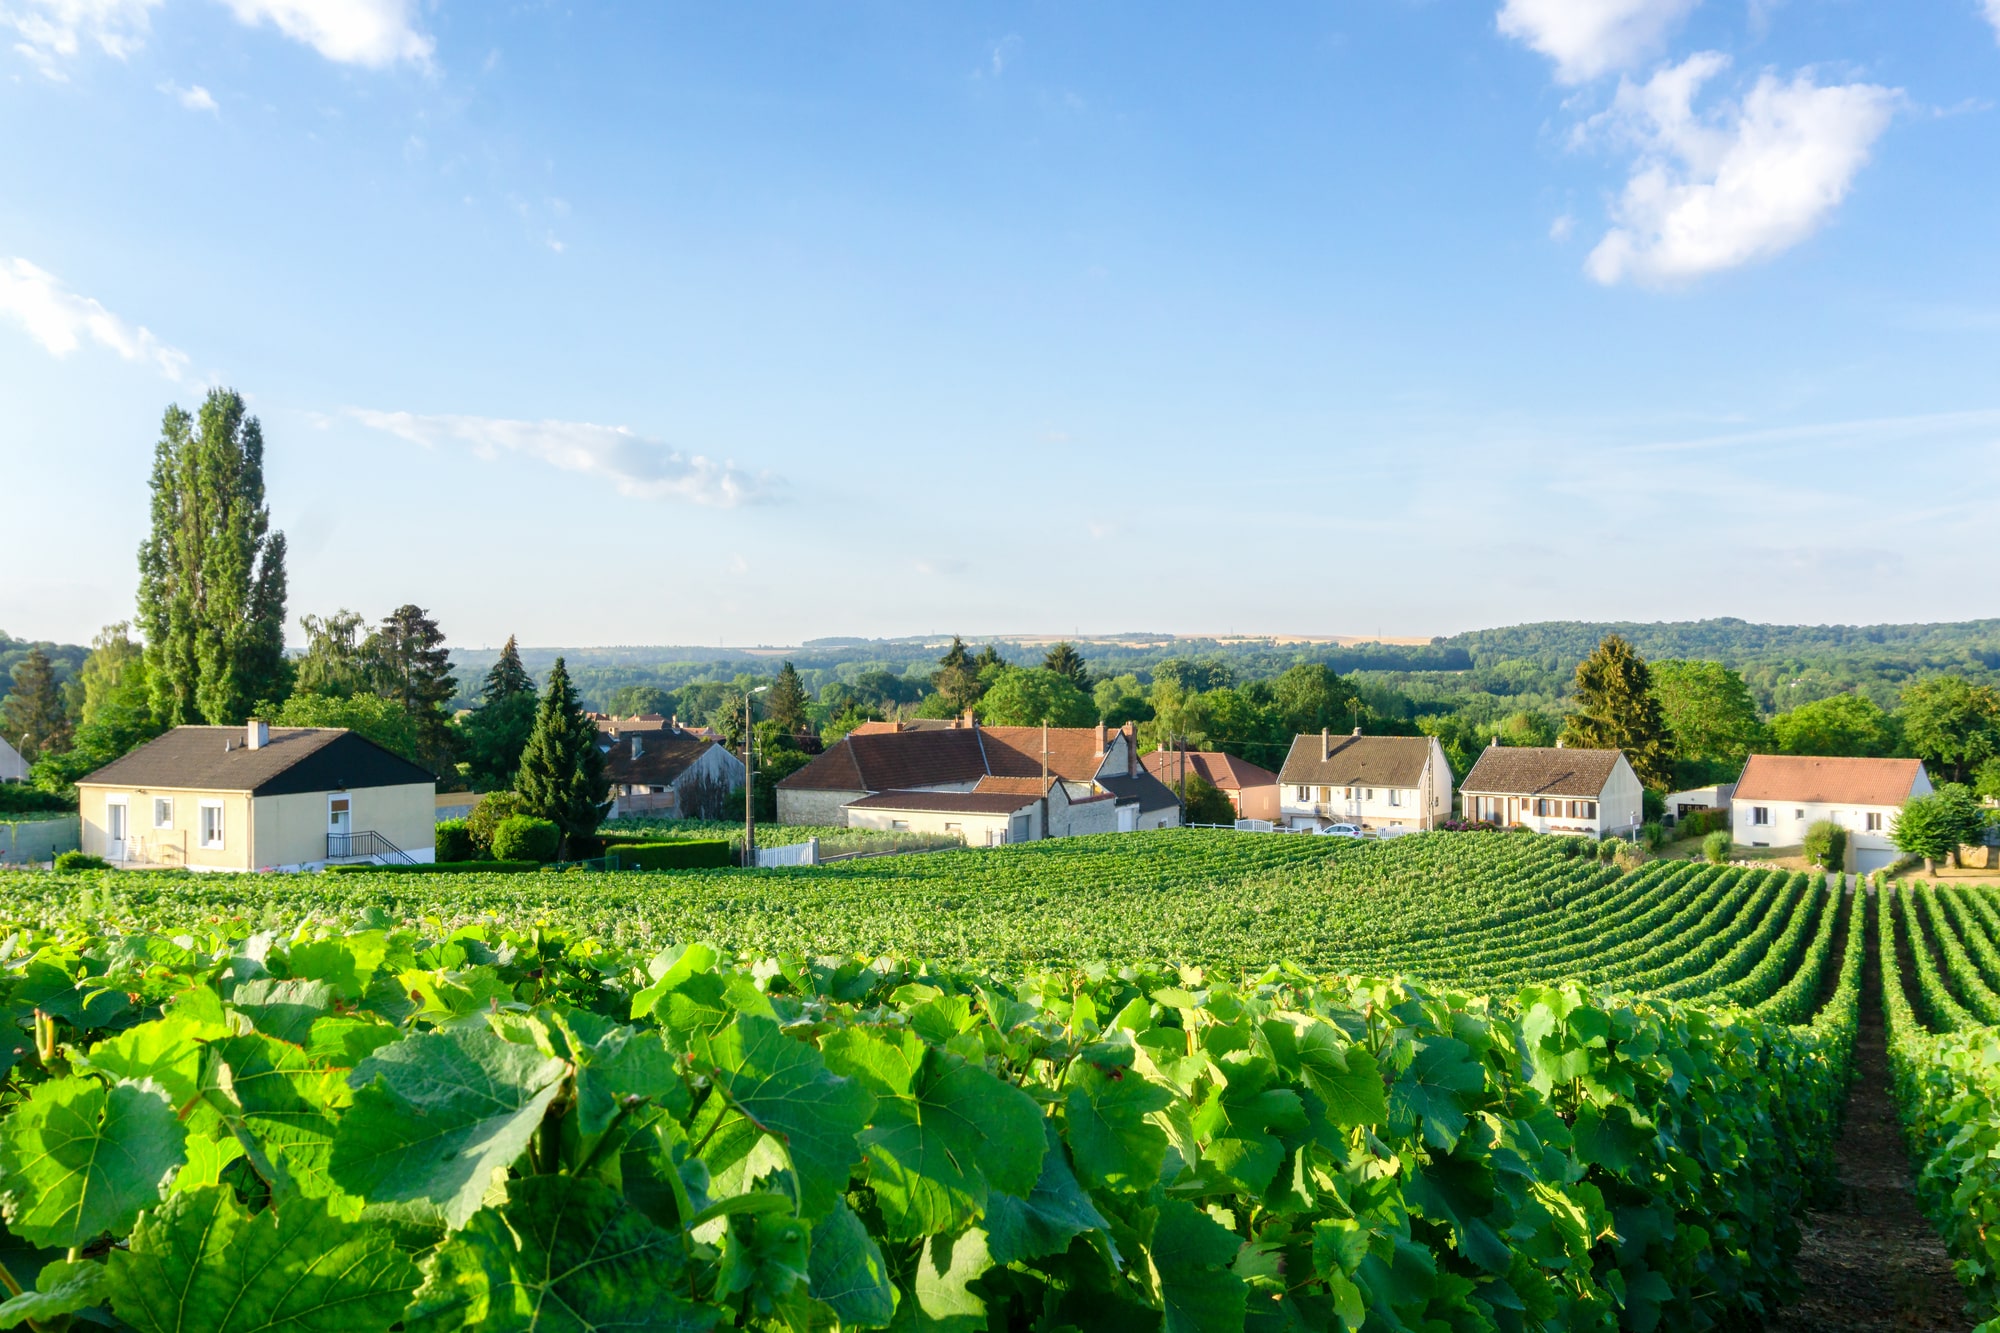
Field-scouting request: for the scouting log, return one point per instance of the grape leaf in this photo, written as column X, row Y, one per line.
column 785, row 1088
column 1191, row 1255
column 1113, row 1142
column 435, row 1115
column 1435, row 1092
column 942, row 1300
column 1044, row 1223
column 283, row 1100
column 201, row 1261
column 944, row 1131
column 846, row 1271
column 78, row 1159
column 564, row 1255
column 62, row 1287
column 284, row 1009
column 1342, row 1075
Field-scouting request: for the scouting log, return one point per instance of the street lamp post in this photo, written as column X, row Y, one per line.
column 750, row 781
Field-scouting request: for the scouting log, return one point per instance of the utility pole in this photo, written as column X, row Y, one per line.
column 750, row 781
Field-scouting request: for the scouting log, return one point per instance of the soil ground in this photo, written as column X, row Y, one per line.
column 1870, row 1261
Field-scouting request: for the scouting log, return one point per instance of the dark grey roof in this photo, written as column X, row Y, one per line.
column 1541, row 770
column 1356, row 761
column 663, row 757
column 947, row 802
column 296, row 759
column 1148, row 791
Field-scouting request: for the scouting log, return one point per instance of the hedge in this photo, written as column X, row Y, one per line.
column 687, row 854
column 440, row 868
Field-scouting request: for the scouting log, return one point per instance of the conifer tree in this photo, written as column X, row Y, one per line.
column 33, row 717
column 786, row 702
column 1063, row 659
column 1617, row 710
column 412, row 667
column 211, row 571
column 562, row 771
column 956, row 680
column 508, row 677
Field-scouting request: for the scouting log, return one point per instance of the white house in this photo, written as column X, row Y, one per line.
column 900, row 775
column 1555, row 789
column 13, row 768
column 1780, row 796
column 1700, row 800
column 1396, row 784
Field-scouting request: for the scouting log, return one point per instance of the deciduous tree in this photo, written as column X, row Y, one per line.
column 1951, row 722
column 211, row 571
column 562, row 771
column 1936, row 826
column 1313, row 697
column 1033, row 697
column 336, row 663
column 1710, row 715
column 1615, row 710
column 1845, row 724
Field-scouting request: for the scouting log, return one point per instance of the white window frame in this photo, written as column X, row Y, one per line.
column 201, row 826
column 168, row 802
column 1395, row 796
column 1760, row 816
column 1874, row 821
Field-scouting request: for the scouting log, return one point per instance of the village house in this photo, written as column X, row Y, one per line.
column 1555, row 789
column 1780, row 796
column 1711, row 799
column 13, row 768
column 988, row 785
column 657, row 767
column 1382, row 784
column 1253, row 791
column 258, row 798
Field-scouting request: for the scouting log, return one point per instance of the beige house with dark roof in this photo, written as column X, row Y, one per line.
column 1253, row 791
column 1081, row 779
column 666, row 770
column 1555, row 789
column 1383, row 784
column 1780, row 796
column 257, row 798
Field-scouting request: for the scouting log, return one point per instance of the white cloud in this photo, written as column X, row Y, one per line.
column 196, row 98
column 53, row 30
column 60, row 320
column 639, row 467
column 376, row 33
column 1587, row 38
column 1560, row 229
column 1993, row 15
column 1742, row 182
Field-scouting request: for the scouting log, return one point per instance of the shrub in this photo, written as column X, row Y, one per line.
column 18, row 798
column 69, row 861
column 1701, row 823
column 1609, row 849
column 1826, row 845
column 526, row 838
column 1654, row 834
column 452, row 840
column 687, row 854
column 488, row 815
column 1716, row 847
column 432, row 868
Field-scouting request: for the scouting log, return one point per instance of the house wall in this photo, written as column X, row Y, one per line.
column 291, row 830
column 1256, row 802
column 1073, row 821
column 1867, row 850
column 816, row 807
column 1353, row 805
column 716, row 763
column 178, row 842
column 977, row 830
column 13, row 768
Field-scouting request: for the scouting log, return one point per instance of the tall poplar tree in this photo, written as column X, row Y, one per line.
column 33, row 716
column 1616, row 710
column 562, row 771
column 211, row 571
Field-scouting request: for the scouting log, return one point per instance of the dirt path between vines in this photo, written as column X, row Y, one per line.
column 1871, row 1262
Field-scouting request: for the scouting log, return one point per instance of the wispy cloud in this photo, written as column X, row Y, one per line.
column 51, row 31
column 61, row 320
column 1744, row 181
column 1993, row 15
column 195, row 98
column 375, row 33
column 1587, row 38
column 643, row 468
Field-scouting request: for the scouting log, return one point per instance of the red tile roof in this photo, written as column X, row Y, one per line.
column 1226, row 771
column 1831, row 781
column 886, row 760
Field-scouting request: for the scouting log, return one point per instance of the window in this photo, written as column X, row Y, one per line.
column 1305, row 793
column 1760, row 814
column 1874, row 821
column 1590, row 809
column 900, row 825
column 211, row 824
column 954, row 828
column 1395, row 797
column 163, row 812
column 1800, row 815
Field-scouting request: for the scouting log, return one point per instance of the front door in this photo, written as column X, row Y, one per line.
column 339, row 826
column 116, row 817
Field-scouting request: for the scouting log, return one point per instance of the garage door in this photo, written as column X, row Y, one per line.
column 1867, row 862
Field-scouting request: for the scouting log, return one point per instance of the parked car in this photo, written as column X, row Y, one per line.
column 1341, row 831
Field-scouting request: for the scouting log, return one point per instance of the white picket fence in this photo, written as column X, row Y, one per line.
column 796, row 854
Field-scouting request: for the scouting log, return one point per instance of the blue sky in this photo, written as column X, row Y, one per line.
column 653, row 323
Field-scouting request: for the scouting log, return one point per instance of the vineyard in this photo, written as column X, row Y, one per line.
column 1181, row 1081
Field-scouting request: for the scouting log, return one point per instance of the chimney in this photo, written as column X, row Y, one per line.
column 1495, row 745
column 258, row 734
column 969, row 721
column 1559, row 742
column 675, row 722
column 1131, row 731
column 1102, row 740
column 1357, row 731
column 1325, row 744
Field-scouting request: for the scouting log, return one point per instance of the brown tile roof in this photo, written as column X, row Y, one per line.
column 296, row 759
column 1017, row 786
column 1357, row 761
column 1074, row 753
column 886, row 760
column 1226, row 771
column 663, row 757
column 1807, row 779
column 946, row 802
column 1541, row 770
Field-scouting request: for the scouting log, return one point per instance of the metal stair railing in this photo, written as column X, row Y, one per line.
column 366, row 843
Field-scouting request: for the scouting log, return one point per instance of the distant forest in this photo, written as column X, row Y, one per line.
column 1526, row 666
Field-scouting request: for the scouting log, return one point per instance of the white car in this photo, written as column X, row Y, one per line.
column 1340, row 831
